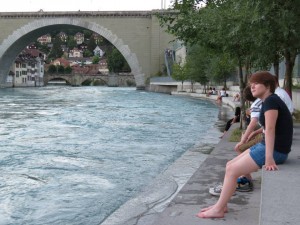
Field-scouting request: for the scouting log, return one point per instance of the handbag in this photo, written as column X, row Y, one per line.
column 256, row 139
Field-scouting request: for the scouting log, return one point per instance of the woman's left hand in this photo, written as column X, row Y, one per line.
column 271, row 165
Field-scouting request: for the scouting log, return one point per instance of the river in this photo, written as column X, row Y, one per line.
column 73, row 155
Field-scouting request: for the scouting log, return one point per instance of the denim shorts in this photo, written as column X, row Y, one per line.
column 258, row 154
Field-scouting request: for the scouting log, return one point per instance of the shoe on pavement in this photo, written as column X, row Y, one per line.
column 216, row 190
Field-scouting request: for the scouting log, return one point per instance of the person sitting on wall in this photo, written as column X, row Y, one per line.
column 235, row 119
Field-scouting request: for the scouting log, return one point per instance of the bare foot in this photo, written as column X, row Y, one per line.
column 208, row 208
column 211, row 213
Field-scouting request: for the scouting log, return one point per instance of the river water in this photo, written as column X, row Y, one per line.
column 74, row 155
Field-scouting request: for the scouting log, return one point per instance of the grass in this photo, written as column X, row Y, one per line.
column 297, row 116
column 236, row 135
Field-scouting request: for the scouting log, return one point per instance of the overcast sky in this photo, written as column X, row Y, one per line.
column 83, row 5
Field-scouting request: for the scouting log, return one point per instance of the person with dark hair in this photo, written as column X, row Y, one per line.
column 235, row 119
column 254, row 114
column 277, row 123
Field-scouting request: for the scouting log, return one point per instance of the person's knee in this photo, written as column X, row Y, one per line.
column 231, row 169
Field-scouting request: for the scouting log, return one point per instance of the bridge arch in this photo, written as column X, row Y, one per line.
column 21, row 37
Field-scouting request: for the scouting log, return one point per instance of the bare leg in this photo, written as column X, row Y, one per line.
column 248, row 176
column 242, row 164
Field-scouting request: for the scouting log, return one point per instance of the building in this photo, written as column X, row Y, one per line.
column 28, row 69
column 61, row 62
column 79, row 38
column 98, row 52
column 45, row 39
column 76, row 53
column 63, row 36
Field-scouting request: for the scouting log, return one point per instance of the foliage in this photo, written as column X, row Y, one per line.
column 87, row 53
column 60, row 69
column 179, row 73
column 297, row 116
column 95, row 59
column 42, row 47
column 197, row 64
column 236, row 135
column 56, row 51
column 221, row 67
column 254, row 33
column 91, row 45
column 71, row 43
column 52, row 69
column 115, row 61
column 68, row 70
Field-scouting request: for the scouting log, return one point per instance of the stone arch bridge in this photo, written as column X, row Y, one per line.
column 76, row 79
column 136, row 34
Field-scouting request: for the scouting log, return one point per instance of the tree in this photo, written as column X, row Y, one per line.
column 71, row 42
column 179, row 73
column 60, row 69
column 56, row 51
column 95, row 60
column 87, row 53
column 115, row 61
column 222, row 67
column 52, row 69
column 279, row 20
column 91, row 45
column 197, row 62
column 68, row 70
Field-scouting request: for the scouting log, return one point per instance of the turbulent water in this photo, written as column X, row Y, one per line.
column 73, row 155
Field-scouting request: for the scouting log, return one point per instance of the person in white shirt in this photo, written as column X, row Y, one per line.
column 285, row 97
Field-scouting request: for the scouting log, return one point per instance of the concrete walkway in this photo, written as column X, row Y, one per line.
column 274, row 201
column 243, row 208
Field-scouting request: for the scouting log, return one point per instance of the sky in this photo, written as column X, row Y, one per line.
column 82, row 5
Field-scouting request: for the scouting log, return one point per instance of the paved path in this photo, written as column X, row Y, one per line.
column 244, row 207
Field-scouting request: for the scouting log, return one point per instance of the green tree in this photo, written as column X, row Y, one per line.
column 91, row 45
column 52, row 69
column 60, row 69
column 179, row 73
column 68, row 70
column 56, row 51
column 115, row 61
column 280, row 32
column 71, row 43
column 87, row 53
column 222, row 67
column 197, row 62
column 95, row 59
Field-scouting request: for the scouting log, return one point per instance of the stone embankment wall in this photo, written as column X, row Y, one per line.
column 169, row 87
